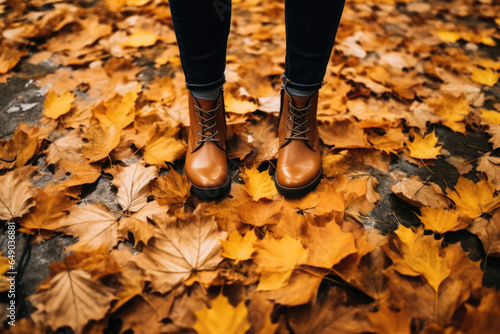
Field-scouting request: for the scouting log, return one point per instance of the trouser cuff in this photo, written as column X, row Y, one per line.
column 288, row 83
column 207, row 86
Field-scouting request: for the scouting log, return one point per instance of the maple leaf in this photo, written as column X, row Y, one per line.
column 118, row 111
column 487, row 76
column 58, row 105
column 414, row 191
column 490, row 166
column 65, row 148
column 101, row 141
column 179, row 248
column 277, row 258
column 162, row 146
column 424, row 147
column 258, row 185
column 138, row 224
column 237, row 247
column 171, row 188
column 452, row 110
column 441, row 220
column 473, row 199
column 72, row 299
column 19, row 149
column 222, row 317
column 93, row 224
column 330, row 316
column 423, row 256
column 490, row 116
column 488, row 232
column 132, row 182
column 16, row 195
column 46, row 214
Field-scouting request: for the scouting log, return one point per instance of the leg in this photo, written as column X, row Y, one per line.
column 311, row 27
column 202, row 29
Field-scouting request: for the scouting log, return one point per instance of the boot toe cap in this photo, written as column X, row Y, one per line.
column 295, row 177
column 208, row 177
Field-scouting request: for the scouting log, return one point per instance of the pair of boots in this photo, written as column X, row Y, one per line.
column 298, row 170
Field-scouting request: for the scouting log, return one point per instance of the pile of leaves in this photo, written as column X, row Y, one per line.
column 151, row 258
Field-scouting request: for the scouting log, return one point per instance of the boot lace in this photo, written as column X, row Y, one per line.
column 207, row 124
column 299, row 120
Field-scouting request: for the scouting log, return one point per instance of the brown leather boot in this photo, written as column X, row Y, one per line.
column 206, row 164
column 299, row 169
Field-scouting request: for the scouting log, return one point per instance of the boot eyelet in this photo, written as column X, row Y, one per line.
column 288, row 128
column 289, row 118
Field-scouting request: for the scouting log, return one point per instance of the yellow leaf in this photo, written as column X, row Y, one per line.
column 222, row 317
column 423, row 255
column 171, row 188
column 453, row 111
column 424, row 147
column 55, row 106
column 18, row 150
column 162, row 146
column 490, row 116
column 141, row 38
column 277, row 258
column 487, row 76
column 118, row 111
column 448, row 36
column 473, row 199
column 440, row 220
column 258, row 185
column 237, row 247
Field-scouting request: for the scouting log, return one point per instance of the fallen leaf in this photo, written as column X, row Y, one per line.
column 222, row 317
column 101, row 141
column 424, row 147
column 473, row 199
column 16, row 195
column 258, row 185
column 180, row 248
column 57, row 105
column 239, row 248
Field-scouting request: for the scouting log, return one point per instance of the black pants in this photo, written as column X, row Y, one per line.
column 202, row 28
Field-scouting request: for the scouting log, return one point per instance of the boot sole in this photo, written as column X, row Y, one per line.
column 298, row 192
column 210, row 194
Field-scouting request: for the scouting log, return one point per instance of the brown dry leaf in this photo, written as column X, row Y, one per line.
column 222, row 317
column 19, row 149
column 390, row 320
column 74, row 297
column 343, row 134
column 330, row 316
column 162, row 145
column 57, row 105
column 93, row 224
column 138, row 223
column 180, row 248
column 473, row 199
column 301, row 288
column 9, row 57
column 277, row 258
column 327, row 245
column 490, row 166
column 132, row 182
column 16, row 195
column 483, row 318
column 171, row 188
column 101, row 141
column 46, row 214
column 391, row 142
column 414, row 191
column 488, row 232
column 258, row 184
column 67, row 147
column 80, row 173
